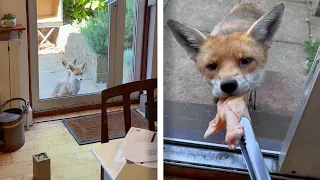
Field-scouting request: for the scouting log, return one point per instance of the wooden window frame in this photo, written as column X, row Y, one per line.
column 143, row 22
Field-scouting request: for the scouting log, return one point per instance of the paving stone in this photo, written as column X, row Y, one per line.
column 315, row 27
column 50, row 62
column 201, row 14
column 293, row 28
column 286, row 58
column 88, row 86
column 182, row 82
column 284, row 80
column 300, row 1
column 47, row 82
column 165, row 4
column 279, row 94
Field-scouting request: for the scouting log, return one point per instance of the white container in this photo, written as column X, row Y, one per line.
column 9, row 23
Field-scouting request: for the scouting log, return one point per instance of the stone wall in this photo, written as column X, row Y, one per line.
column 78, row 48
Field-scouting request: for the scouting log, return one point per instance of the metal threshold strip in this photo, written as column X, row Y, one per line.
column 212, row 145
column 214, row 157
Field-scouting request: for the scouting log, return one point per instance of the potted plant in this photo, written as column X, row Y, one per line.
column 8, row 20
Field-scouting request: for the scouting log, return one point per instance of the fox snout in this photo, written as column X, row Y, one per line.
column 236, row 85
column 229, row 86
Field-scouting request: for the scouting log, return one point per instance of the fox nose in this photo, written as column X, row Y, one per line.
column 229, row 86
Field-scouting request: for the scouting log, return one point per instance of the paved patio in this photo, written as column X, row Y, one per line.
column 51, row 72
column 285, row 77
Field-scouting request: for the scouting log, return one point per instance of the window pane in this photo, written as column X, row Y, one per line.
column 189, row 105
column 72, row 47
column 129, row 41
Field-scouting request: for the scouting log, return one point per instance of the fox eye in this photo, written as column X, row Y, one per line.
column 212, row 67
column 245, row 61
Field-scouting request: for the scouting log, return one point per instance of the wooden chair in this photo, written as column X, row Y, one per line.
column 125, row 90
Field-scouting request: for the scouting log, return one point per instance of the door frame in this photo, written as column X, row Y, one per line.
column 81, row 102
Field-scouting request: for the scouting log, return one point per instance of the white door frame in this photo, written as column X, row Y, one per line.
column 115, row 73
column 300, row 154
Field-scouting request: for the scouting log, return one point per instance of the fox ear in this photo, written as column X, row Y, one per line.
column 75, row 61
column 72, row 68
column 63, row 63
column 189, row 38
column 84, row 66
column 265, row 28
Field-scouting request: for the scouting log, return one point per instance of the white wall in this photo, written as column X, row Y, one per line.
column 18, row 8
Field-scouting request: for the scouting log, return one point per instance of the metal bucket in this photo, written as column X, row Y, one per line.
column 11, row 127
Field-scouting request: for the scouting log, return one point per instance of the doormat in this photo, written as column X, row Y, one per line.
column 87, row 129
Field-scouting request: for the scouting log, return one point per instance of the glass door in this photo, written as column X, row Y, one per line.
column 79, row 48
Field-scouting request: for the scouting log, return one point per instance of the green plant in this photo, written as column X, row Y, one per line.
column 8, row 16
column 311, row 47
column 96, row 29
column 81, row 9
column 129, row 24
column 127, row 65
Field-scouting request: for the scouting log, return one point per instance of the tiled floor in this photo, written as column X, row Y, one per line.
column 68, row 159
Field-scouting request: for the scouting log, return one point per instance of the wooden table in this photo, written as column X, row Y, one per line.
column 105, row 154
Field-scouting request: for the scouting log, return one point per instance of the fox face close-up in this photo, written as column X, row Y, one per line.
column 233, row 57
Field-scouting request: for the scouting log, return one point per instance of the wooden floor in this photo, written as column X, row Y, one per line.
column 68, row 159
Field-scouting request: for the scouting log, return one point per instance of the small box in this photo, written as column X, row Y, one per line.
column 139, row 155
column 41, row 167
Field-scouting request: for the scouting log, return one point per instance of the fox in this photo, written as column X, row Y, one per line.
column 71, row 82
column 232, row 58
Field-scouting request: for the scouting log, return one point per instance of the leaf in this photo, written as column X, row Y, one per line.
column 88, row 5
column 84, row 14
column 94, row 5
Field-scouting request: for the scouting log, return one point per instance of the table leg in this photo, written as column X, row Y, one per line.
column 47, row 36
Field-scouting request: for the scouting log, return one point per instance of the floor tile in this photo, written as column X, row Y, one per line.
column 94, row 177
column 85, row 157
column 47, row 142
column 42, row 119
column 49, row 124
column 66, row 161
column 25, row 177
column 5, row 159
column 42, row 133
column 65, row 116
column 76, row 171
column 90, row 112
column 63, row 149
column 9, row 178
column 15, row 169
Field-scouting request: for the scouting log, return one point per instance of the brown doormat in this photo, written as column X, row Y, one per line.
column 87, row 129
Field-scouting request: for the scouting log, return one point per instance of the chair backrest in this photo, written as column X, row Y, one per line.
column 125, row 91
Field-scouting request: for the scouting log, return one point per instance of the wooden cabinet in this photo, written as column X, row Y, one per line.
column 9, row 71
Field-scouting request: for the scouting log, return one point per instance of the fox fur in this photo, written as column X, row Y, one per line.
column 71, row 83
column 236, row 50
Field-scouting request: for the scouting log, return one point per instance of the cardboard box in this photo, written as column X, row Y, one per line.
column 138, row 153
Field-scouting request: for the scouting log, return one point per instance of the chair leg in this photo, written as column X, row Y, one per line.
column 102, row 173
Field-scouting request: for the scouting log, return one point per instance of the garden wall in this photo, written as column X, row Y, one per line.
column 78, row 48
